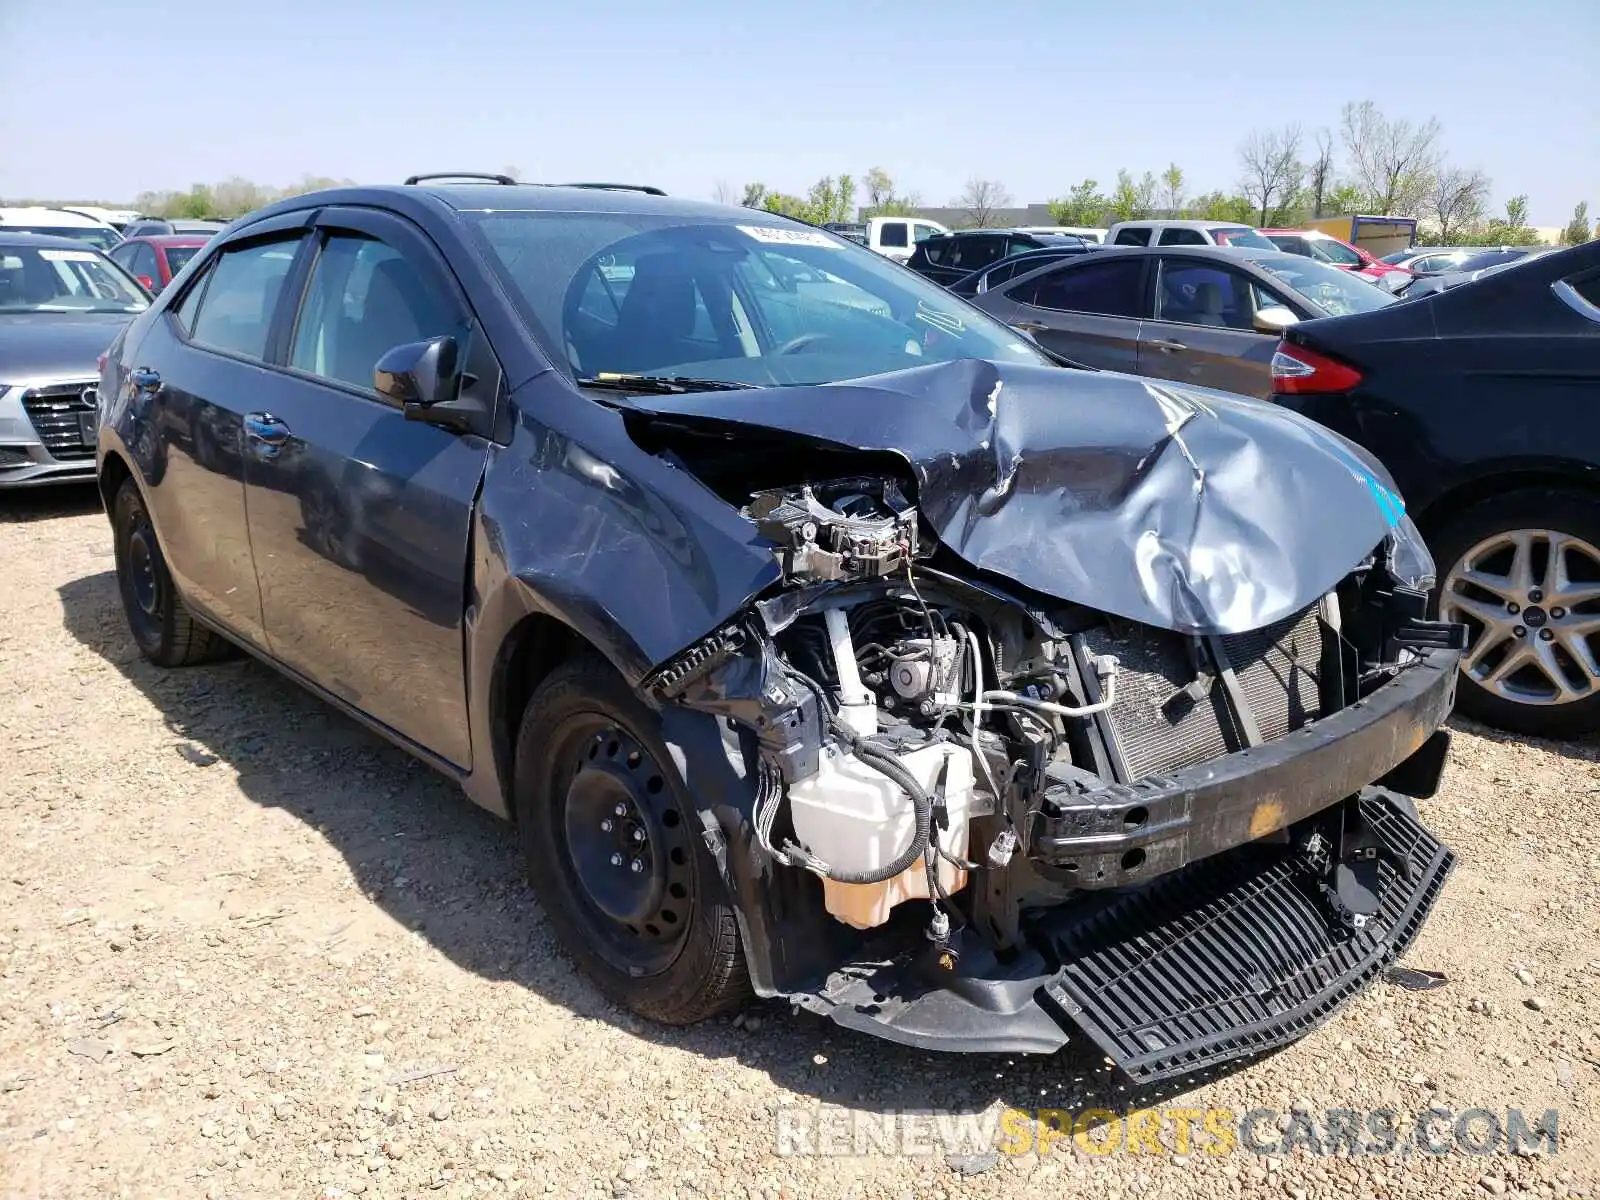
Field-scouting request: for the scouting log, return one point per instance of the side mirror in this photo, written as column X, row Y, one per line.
column 426, row 380
column 418, row 375
column 1273, row 319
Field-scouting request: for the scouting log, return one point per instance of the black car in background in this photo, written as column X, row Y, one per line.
column 984, row 278
column 949, row 257
column 1484, row 403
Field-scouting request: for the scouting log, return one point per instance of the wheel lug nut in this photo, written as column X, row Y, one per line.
column 1558, row 613
column 621, row 810
column 616, row 860
column 1520, row 631
column 638, row 835
column 1535, row 596
column 1513, row 608
column 1545, row 635
column 607, row 825
column 636, row 866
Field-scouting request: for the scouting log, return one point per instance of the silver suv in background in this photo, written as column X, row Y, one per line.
column 1186, row 233
column 62, row 303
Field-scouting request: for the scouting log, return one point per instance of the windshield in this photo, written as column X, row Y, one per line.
column 37, row 280
column 1240, row 235
column 733, row 300
column 178, row 256
column 97, row 236
column 1398, row 257
column 1336, row 292
column 1332, row 251
column 1492, row 258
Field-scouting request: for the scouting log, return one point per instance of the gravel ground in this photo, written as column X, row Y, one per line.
column 247, row 949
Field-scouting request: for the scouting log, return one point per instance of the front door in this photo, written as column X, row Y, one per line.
column 1203, row 332
column 360, row 517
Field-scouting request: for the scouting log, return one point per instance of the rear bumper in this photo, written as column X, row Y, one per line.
column 1129, row 833
column 1217, row 962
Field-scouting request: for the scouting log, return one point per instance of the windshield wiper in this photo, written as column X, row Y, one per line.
column 658, row 385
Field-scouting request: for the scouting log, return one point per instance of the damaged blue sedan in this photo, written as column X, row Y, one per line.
column 821, row 637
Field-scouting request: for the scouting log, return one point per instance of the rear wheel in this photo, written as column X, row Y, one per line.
column 1522, row 571
column 165, row 632
column 609, row 833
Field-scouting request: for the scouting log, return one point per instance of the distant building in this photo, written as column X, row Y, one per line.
column 1000, row 218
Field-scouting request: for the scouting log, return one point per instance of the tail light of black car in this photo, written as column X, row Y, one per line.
column 1301, row 371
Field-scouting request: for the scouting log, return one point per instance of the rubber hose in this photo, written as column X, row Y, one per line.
column 886, row 764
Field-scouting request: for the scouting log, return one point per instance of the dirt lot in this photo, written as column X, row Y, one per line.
column 237, row 933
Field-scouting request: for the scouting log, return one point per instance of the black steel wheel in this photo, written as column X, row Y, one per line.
column 605, row 824
column 165, row 632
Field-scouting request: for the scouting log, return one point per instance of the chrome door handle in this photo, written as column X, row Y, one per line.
column 1169, row 347
column 265, row 433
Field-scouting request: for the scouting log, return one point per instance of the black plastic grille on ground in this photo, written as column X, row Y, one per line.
column 1275, row 667
column 54, row 411
column 1237, row 954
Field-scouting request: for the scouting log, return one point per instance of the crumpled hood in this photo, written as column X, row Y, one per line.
column 42, row 347
column 1179, row 507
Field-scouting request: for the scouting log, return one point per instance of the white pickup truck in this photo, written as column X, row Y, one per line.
column 897, row 237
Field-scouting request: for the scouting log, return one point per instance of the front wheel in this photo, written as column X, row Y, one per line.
column 165, row 632
column 613, row 852
column 1522, row 572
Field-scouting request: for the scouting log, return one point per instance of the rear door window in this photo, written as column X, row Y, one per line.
column 1174, row 235
column 1131, row 237
column 893, row 233
column 980, row 251
column 1110, row 288
column 235, row 314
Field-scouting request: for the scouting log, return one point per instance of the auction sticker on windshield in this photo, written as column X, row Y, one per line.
column 69, row 256
column 790, row 237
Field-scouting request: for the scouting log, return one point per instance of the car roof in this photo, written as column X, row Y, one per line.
column 168, row 239
column 1186, row 223
column 1216, row 253
column 42, row 241
column 38, row 214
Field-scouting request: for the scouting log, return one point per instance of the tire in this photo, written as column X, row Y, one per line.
column 165, row 632
column 1517, row 704
column 662, row 942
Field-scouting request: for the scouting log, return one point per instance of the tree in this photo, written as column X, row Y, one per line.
column 1392, row 161
column 980, row 198
column 1578, row 229
column 1517, row 212
column 1147, row 194
column 880, row 188
column 1123, row 203
column 1455, row 202
column 1219, row 206
column 1272, row 168
column 1344, row 200
column 1082, row 205
column 725, row 193
column 1172, row 190
column 1320, row 172
column 755, row 195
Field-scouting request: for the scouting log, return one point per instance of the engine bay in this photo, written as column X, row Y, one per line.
column 966, row 752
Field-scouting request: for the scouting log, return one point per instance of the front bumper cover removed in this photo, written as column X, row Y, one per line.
column 1235, row 951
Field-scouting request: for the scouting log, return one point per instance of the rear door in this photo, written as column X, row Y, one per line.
column 1088, row 310
column 361, row 517
column 1202, row 331
column 198, row 370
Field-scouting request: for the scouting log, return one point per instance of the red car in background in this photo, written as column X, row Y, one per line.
column 153, row 260
column 1324, row 247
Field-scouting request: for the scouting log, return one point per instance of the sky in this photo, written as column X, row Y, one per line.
column 102, row 99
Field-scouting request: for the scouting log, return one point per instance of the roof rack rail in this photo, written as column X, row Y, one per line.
column 619, row 187
column 478, row 175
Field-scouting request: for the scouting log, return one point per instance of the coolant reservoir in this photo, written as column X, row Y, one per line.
column 855, row 819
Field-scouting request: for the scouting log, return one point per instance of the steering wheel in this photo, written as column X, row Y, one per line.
column 795, row 344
